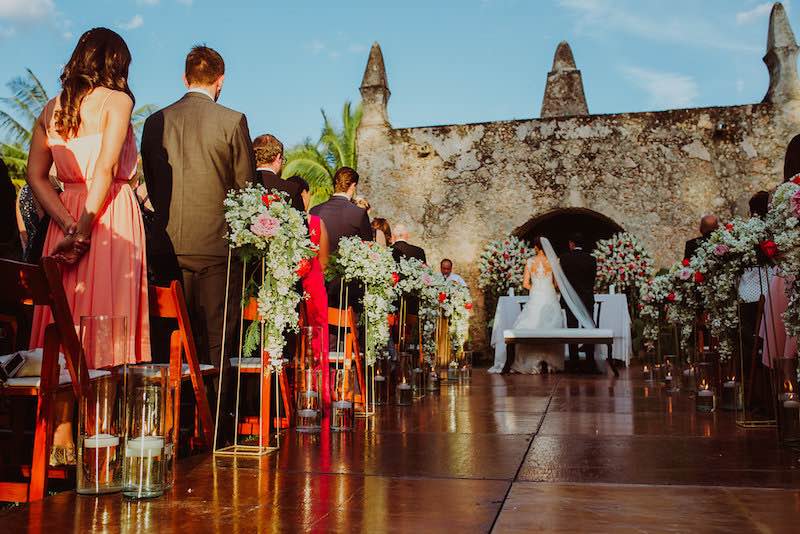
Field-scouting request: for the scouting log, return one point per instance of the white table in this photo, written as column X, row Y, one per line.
column 613, row 315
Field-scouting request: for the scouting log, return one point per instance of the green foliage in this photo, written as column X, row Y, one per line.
column 317, row 162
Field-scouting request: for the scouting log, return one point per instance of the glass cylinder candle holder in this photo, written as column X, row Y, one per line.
column 418, row 382
column 465, row 371
column 786, row 385
column 145, row 456
column 452, row 371
column 342, row 399
column 705, row 399
column 102, row 411
column 432, row 383
column 308, row 381
column 688, row 378
column 647, row 373
column 403, row 390
column 658, row 372
column 382, row 379
column 732, row 390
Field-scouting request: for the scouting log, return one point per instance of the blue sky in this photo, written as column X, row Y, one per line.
column 448, row 61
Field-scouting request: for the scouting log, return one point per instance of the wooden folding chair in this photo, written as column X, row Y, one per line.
column 41, row 285
column 343, row 322
column 169, row 302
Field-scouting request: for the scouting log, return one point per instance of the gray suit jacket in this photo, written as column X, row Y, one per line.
column 193, row 152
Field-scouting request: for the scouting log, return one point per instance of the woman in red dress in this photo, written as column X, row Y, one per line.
column 314, row 286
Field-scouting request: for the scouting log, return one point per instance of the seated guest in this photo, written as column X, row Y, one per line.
column 342, row 218
column 314, row 285
column 269, row 162
column 10, row 245
column 791, row 161
column 381, row 231
column 708, row 223
column 401, row 248
column 446, row 268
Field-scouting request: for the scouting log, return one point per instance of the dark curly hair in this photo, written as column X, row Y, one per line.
column 100, row 59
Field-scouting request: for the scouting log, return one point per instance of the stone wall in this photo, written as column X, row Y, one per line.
column 457, row 187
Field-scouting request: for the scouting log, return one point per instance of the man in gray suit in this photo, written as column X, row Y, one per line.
column 193, row 152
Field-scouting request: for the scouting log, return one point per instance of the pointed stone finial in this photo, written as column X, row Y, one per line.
column 375, row 90
column 781, row 58
column 563, row 94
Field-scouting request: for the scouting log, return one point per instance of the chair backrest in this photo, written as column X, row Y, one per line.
column 41, row 284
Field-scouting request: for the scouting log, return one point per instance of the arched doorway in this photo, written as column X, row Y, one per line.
column 557, row 225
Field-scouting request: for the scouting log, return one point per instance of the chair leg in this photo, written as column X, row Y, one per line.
column 610, row 360
column 44, row 416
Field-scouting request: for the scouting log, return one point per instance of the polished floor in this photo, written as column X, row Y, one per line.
column 502, row 454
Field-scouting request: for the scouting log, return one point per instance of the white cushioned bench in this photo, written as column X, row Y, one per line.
column 549, row 336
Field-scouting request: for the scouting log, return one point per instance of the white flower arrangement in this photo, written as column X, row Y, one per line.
column 456, row 305
column 684, row 301
column 420, row 280
column 783, row 221
column 654, row 298
column 502, row 265
column 264, row 226
column 372, row 265
column 622, row 261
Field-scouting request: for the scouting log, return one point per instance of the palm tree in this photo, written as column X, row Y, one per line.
column 317, row 162
column 21, row 109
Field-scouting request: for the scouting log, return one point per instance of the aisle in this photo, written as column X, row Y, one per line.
column 506, row 453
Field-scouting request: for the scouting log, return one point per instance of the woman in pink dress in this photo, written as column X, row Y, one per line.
column 314, row 285
column 96, row 228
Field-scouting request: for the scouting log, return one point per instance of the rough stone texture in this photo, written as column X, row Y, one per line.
column 563, row 94
column 655, row 174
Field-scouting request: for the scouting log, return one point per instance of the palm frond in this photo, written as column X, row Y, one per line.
column 332, row 142
column 350, row 122
column 16, row 159
column 307, row 161
column 138, row 117
column 14, row 130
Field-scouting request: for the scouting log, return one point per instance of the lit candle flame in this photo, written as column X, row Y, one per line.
column 787, row 386
column 703, row 384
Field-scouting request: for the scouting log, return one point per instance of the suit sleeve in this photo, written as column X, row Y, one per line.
column 152, row 134
column 424, row 258
column 244, row 160
column 365, row 229
column 297, row 201
column 687, row 250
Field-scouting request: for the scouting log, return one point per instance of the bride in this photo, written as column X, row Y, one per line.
column 543, row 311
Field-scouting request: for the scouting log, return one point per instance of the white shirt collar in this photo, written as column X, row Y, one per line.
column 266, row 169
column 201, row 91
column 343, row 195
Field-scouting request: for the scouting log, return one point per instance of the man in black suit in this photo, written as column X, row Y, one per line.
column 269, row 162
column 708, row 223
column 342, row 218
column 580, row 268
column 401, row 248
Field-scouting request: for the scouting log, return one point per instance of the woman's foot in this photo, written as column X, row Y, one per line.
column 62, row 455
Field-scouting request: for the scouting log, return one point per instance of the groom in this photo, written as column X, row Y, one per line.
column 580, row 268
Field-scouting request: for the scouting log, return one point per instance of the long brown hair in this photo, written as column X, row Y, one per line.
column 100, row 59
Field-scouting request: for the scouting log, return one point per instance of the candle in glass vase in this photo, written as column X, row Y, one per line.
column 789, row 422
column 705, row 398
column 144, row 467
column 380, row 388
column 688, row 379
column 403, row 393
column 417, row 383
column 647, row 373
column 452, row 371
column 730, row 390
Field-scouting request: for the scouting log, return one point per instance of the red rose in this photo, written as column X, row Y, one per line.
column 729, row 227
column 468, row 306
column 267, row 200
column 796, row 179
column 685, row 262
column 769, row 248
column 699, row 278
column 303, row 267
column 442, row 296
column 395, row 278
column 671, row 297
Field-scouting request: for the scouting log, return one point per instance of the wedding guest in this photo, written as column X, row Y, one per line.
column 791, row 160
column 342, row 218
column 87, row 127
column 314, row 284
column 10, row 245
column 708, row 223
column 580, row 269
column 401, row 248
column 381, row 231
column 363, row 203
column 446, row 268
column 32, row 221
column 269, row 162
column 193, row 152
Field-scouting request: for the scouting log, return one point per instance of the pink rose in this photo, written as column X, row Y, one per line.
column 721, row 250
column 685, row 274
column 795, row 202
column 265, row 226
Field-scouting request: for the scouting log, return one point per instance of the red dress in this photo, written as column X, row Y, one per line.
column 317, row 306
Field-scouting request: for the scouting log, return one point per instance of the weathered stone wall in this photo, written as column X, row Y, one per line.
column 655, row 174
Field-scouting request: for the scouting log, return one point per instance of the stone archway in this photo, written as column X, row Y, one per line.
column 557, row 225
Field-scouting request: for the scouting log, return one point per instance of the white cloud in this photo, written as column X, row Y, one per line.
column 26, row 9
column 316, row 46
column 356, row 48
column 761, row 10
column 7, row 33
column 740, row 86
column 604, row 16
column 148, row 2
column 666, row 90
column 136, row 22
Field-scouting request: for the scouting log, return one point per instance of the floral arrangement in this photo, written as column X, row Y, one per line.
column 264, row 226
column 655, row 296
column 783, row 221
column 622, row 261
column 721, row 260
column 420, row 280
column 502, row 265
column 456, row 305
column 368, row 263
column 684, row 301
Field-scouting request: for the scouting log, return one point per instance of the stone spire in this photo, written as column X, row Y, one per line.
column 375, row 90
column 781, row 58
column 563, row 94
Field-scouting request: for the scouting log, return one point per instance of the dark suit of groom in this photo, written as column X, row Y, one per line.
column 271, row 181
column 403, row 249
column 193, row 152
column 580, row 268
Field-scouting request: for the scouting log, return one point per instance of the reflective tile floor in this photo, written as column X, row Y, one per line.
column 502, row 454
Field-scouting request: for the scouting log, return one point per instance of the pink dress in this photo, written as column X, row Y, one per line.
column 111, row 278
column 777, row 344
column 317, row 306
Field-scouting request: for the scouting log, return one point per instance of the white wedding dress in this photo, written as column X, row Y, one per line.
column 543, row 311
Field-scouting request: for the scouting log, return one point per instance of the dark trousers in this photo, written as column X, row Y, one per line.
column 754, row 372
column 204, row 287
column 572, row 322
